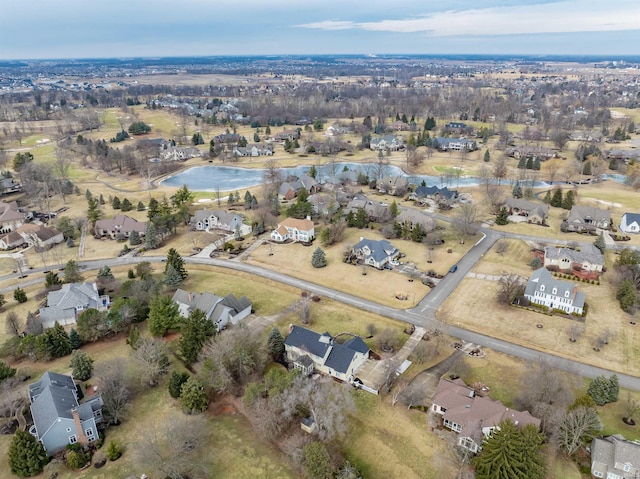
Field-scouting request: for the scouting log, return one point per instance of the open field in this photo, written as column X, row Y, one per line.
column 513, row 260
column 381, row 286
column 473, row 306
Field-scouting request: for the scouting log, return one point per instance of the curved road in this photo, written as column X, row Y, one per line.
column 423, row 314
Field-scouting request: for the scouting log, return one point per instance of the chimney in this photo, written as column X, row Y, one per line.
column 82, row 439
column 190, row 296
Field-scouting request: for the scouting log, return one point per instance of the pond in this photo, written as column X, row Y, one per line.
column 233, row 178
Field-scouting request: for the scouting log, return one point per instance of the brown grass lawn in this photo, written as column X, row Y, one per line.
column 473, row 306
column 515, row 260
column 379, row 286
column 267, row 297
column 336, row 318
column 390, row 441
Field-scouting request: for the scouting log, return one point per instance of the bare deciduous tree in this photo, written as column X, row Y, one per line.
column 151, row 358
column 579, row 425
column 575, row 331
column 114, row 387
column 13, row 324
column 465, row 221
column 171, row 446
column 509, row 287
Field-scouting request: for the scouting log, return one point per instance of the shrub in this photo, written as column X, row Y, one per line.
column 114, row 451
column 76, row 459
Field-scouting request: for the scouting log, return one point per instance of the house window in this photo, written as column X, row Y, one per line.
column 89, row 434
column 566, row 294
column 542, row 287
column 598, row 474
column 555, row 291
column 73, row 439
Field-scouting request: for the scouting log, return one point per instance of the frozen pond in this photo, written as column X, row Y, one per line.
column 233, row 178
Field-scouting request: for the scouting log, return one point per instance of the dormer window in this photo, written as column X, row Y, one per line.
column 566, row 294
column 555, row 290
column 627, row 467
column 542, row 287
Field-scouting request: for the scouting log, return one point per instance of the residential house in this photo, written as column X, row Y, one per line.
column 376, row 253
column 393, row 185
column 375, row 210
column 588, row 259
column 323, row 204
column 410, row 218
column 205, row 220
column 177, row 153
column 290, row 189
column 387, row 142
column 11, row 240
column 442, row 195
column 309, row 350
column 9, row 185
column 295, row 230
column 336, row 130
column 40, row 236
column 456, row 144
column 286, row 135
column 623, row 155
column 472, row 416
column 542, row 288
column 230, row 138
column 120, row 226
column 10, row 216
column 456, row 127
column 58, row 418
column 221, row 311
column 65, row 305
column 532, row 151
column 534, row 212
column 594, row 136
column 253, row 150
column 398, row 126
column 613, row 457
column 630, row 223
column 586, row 218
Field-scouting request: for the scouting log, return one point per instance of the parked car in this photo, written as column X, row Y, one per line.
column 453, row 269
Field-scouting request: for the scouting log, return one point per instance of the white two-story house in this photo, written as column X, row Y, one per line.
column 542, row 288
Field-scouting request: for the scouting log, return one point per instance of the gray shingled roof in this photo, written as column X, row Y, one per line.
column 307, row 340
column 587, row 253
column 423, row 191
column 224, row 216
column 580, row 213
column 357, row 344
column 380, row 249
column 543, row 277
column 340, row 358
column 632, row 217
column 237, row 304
column 612, row 450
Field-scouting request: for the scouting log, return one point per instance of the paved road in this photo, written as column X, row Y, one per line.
column 422, row 315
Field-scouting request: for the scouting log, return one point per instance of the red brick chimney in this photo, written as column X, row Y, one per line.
column 82, row 438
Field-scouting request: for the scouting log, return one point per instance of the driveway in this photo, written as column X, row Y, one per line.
column 420, row 390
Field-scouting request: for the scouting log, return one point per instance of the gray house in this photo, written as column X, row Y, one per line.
column 542, row 288
column 221, row 311
column 586, row 218
column 440, row 195
column 309, row 350
column 613, row 457
column 375, row 253
column 66, row 304
column 205, row 220
column 630, row 223
column 58, row 418
column 410, row 218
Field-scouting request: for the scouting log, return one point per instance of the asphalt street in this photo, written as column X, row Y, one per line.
column 423, row 314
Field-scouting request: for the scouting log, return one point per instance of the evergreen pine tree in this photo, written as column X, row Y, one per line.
column 536, row 164
column 614, row 388
column 556, row 199
column 196, row 329
column 126, row 205
column 275, row 344
column 547, row 197
column 115, row 203
column 193, row 398
column 568, row 201
column 511, row 453
column 20, row 295
column 27, row 456
column 174, row 259
column 134, row 238
column 74, row 339
column 599, row 390
column 487, row 156
column 600, row 243
column 176, row 380
column 172, row 278
column 134, row 337
column 151, row 237
column 517, row 190
column 318, row 259
column 82, row 365
column 522, row 164
column 530, row 163
column 503, row 216
column 140, row 206
column 163, row 315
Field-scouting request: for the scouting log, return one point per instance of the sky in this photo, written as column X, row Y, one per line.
column 161, row 28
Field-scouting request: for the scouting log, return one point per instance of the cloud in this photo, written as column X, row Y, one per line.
column 569, row 16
